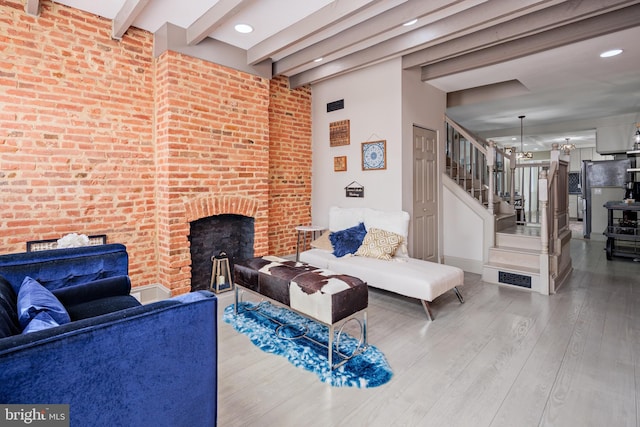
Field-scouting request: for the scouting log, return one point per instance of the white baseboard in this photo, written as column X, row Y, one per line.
column 150, row 293
column 469, row 265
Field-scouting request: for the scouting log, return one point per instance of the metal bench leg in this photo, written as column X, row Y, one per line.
column 364, row 328
column 427, row 309
column 235, row 308
column 330, row 348
column 459, row 295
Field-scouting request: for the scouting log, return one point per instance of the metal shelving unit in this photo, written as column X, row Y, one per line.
column 623, row 230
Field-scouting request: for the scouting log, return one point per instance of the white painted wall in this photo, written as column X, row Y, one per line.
column 384, row 102
column 462, row 229
column 424, row 106
column 372, row 104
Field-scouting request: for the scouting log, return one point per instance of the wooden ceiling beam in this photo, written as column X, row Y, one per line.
column 467, row 21
column 125, row 17
column 212, row 19
column 554, row 16
column 388, row 23
column 32, row 7
column 305, row 31
column 585, row 29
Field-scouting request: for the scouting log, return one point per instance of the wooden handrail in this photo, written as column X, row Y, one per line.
column 467, row 135
column 488, row 151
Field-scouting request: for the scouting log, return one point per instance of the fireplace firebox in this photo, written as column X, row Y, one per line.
column 230, row 233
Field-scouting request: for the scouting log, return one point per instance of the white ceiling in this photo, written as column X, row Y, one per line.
column 565, row 84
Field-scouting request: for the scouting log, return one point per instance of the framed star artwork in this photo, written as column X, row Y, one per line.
column 374, row 155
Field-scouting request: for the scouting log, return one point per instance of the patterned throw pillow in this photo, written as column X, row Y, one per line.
column 323, row 242
column 380, row 244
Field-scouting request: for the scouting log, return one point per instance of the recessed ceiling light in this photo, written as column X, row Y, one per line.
column 243, row 28
column 318, row 59
column 409, row 23
column 610, row 53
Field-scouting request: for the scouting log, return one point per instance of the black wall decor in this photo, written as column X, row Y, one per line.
column 335, row 105
column 355, row 189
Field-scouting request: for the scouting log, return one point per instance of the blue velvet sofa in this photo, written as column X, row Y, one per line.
column 115, row 362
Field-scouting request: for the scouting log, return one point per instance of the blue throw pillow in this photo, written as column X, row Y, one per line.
column 36, row 303
column 347, row 241
column 42, row 320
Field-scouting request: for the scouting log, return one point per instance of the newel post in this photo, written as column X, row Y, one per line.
column 555, row 152
column 512, row 185
column 555, row 157
column 491, row 160
column 543, row 197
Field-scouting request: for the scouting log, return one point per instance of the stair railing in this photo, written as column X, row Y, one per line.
column 527, row 189
column 466, row 161
column 476, row 165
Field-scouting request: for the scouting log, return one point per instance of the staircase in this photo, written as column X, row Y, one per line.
column 514, row 260
column 533, row 256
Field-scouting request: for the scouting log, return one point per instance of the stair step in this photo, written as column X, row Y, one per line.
column 524, row 241
column 517, row 249
column 504, row 221
column 510, row 268
column 515, row 257
column 524, row 230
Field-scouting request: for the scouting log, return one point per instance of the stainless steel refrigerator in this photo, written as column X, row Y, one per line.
column 603, row 181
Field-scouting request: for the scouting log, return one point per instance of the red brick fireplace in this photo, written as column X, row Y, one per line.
column 212, row 144
column 100, row 137
column 227, row 143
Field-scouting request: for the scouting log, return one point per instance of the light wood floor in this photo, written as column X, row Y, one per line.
column 506, row 357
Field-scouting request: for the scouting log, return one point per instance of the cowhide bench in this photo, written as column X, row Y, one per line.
column 319, row 294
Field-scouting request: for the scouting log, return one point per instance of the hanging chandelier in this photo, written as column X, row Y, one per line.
column 566, row 146
column 523, row 154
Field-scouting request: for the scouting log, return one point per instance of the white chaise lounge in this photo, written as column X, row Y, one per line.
column 403, row 275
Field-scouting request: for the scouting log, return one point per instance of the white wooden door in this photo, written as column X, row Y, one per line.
column 425, row 194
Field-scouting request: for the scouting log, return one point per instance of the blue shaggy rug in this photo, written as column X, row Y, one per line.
column 367, row 369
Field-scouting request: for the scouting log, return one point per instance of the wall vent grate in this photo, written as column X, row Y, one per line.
column 335, row 105
column 514, row 279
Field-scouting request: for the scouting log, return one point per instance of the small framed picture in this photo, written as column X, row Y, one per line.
column 340, row 164
column 339, row 133
column 374, row 155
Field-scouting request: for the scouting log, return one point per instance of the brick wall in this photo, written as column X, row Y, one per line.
column 97, row 137
column 290, row 164
column 76, row 141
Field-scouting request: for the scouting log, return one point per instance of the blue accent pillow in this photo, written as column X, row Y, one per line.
column 42, row 320
column 38, row 305
column 347, row 241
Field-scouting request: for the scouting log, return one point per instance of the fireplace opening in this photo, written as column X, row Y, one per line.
column 233, row 234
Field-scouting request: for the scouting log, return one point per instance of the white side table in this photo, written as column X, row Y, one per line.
column 303, row 230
